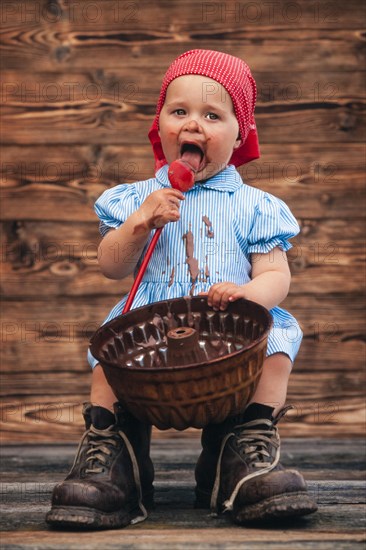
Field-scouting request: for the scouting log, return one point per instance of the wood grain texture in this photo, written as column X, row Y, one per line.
column 266, row 48
column 316, row 315
column 65, row 181
column 47, row 377
column 59, row 89
column 69, row 267
column 333, row 469
column 124, row 16
column 127, row 123
column 79, row 86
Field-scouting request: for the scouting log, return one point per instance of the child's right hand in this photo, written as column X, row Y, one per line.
column 160, row 208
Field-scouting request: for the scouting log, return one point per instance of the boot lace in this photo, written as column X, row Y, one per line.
column 102, row 445
column 254, row 446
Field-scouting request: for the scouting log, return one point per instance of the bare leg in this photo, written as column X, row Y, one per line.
column 101, row 393
column 272, row 386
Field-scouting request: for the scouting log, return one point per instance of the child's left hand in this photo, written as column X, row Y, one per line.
column 269, row 285
column 221, row 294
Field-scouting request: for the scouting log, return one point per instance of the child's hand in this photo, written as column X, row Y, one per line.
column 160, row 208
column 221, row 294
column 269, row 285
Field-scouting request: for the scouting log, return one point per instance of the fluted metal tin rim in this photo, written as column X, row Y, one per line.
column 155, row 308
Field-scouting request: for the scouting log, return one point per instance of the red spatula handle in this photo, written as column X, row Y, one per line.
column 181, row 177
column 142, row 270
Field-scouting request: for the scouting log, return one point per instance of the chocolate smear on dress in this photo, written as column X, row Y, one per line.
column 209, row 230
column 207, row 271
column 191, row 260
column 171, row 280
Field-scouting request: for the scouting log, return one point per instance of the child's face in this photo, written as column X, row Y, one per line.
column 199, row 111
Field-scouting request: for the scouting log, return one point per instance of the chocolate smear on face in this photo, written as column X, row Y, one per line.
column 209, row 230
column 191, row 260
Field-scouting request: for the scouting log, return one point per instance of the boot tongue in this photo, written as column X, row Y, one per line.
column 101, row 418
column 255, row 411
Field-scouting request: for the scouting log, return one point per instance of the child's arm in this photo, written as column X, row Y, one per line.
column 121, row 248
column 269, row 285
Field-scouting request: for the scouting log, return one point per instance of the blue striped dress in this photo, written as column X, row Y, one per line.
column 228, row 221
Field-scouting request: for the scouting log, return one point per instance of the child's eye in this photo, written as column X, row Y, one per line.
column 179, row 112
column 212, row 116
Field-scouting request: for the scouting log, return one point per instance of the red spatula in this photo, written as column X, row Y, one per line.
column 181, row 177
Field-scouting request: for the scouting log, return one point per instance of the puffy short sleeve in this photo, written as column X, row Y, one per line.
column 115, row 205
column 273, row 224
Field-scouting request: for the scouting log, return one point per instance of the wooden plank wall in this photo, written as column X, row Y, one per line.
column 79, row 86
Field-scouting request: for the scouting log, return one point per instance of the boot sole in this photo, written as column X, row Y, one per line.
column 277, row 507
column 73, row 517
column 68, row 517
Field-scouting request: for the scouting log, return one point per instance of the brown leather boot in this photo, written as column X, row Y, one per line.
column 239, row 471
column 111, row 481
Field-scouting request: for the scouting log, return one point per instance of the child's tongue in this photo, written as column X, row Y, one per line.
column 192, row 158
column 181, row 171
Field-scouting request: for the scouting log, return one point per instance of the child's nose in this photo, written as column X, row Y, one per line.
column 192, row 126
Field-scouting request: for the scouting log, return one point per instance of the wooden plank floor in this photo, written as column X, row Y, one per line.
column 333, row 469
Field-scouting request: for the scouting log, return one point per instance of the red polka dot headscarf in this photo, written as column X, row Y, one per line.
column 235, row 76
